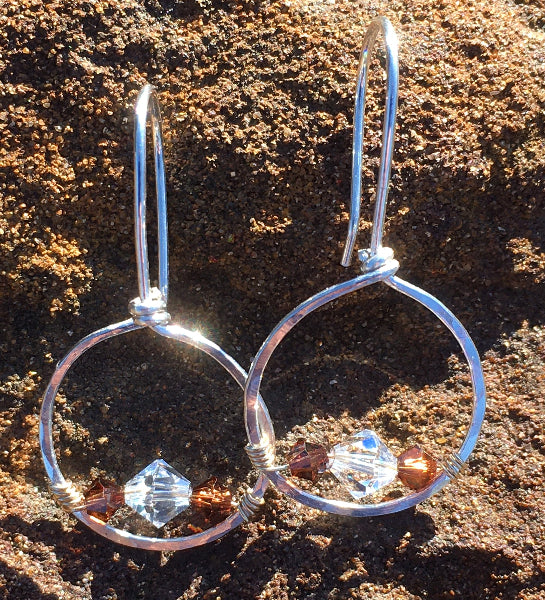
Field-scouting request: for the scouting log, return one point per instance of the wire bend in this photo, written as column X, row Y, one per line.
column 147, row 106
column 392, row 85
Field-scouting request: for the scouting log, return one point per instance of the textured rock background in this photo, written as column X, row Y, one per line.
column 257, row 104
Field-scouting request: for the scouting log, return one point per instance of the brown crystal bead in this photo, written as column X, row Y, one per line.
column 307, row 460
column 103, row 498
column 212, row 500
column 416, row 468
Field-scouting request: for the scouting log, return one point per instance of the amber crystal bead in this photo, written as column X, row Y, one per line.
column 307, row 460
column 103, row 498
column 416, row 468
column 213, row 500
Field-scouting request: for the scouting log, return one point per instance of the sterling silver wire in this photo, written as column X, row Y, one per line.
column 377, row 265
column 148, row 310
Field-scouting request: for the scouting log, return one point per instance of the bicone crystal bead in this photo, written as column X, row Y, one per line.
column 363, row 464
column 416, row 468
column 158, row 493
column 103, row 498
column 307, row 460
column 212, row 500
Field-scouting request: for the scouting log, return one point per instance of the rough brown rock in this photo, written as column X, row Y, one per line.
column 257, row 103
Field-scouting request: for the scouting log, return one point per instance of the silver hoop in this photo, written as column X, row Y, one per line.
column 148, row 310
column 378, row 265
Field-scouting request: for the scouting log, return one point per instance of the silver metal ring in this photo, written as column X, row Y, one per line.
column 149, row 310
column 58, row 482
column 378, row 265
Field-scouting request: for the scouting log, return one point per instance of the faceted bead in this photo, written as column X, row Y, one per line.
column 103, row 498
column 158, row 493
column 363, row 464
column 416, row 468
column 212, row 500
column 307, row 461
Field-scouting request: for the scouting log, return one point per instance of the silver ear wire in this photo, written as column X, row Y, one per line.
column 147, row 106
column 369, row 257
column 150, row 308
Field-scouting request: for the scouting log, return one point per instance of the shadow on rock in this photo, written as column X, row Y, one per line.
column 20, row 586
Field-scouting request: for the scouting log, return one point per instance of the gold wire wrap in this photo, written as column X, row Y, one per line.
column 70, row 498
column 249, row 504
column 452, row 465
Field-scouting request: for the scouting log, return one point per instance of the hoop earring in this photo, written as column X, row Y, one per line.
column 158, row 492
column 363, row 463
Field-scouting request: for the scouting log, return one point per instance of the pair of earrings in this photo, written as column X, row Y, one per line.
column 363, row 463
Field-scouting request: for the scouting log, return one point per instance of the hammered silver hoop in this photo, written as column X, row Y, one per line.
column 148, row 310
column 377, row 265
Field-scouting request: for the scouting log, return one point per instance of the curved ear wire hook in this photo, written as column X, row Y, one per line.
column 150, row 307
column 376, row 251
column 147, row 105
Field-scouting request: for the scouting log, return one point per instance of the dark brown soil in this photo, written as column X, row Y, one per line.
column 257, row 105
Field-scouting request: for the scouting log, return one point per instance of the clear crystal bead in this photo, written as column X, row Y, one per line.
column 158, row 493
column 363, row 464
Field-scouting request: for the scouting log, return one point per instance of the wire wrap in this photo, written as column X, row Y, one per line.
column 150, row 312
column 452, row 465
column 68, row 496
column 262, row 456
column 249, row 504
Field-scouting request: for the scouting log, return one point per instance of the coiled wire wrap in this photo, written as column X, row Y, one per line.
column 249, row 504
column 151, row 311
column 370, row 262
column 452, row 465
column 70, row 498
column 262, row 456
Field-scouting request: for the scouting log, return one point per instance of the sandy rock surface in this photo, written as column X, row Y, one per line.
column 257, row 104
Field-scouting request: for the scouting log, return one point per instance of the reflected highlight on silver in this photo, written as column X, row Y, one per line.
column 390, row 112
column 148, row 310
column 377, row 265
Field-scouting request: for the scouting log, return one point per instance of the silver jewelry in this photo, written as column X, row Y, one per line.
column 363, row 462
column 159, row 492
